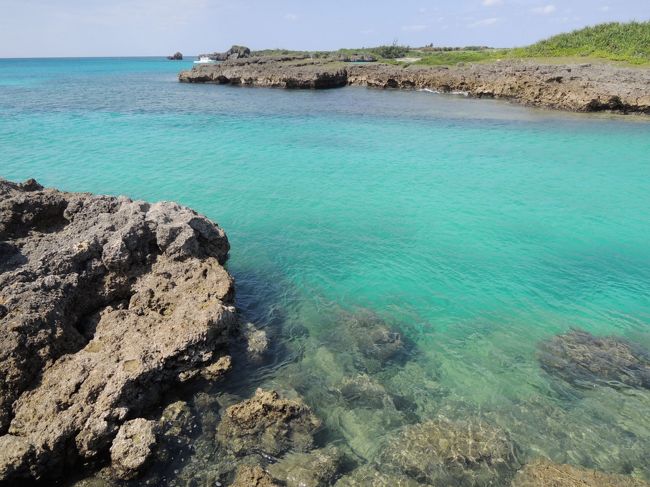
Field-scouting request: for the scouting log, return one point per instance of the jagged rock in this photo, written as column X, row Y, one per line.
column 252, row 476
column 267, row 423
column 583, row 88
column 368, row 476
column 235, row 52
column 218, row 369
column 176, row 57
column 314, row 469
column 543, row 473
column 108, row 302
column 580, row 357
column 443, row 452
column 132, row 447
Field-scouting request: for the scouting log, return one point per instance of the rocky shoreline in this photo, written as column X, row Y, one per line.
column 572, row 87
column 108, row 303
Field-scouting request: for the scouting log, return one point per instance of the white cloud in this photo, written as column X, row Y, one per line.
column 545, row 10
column 414, row 28
column 492, row 3
column 291, row 17
column 485, row 22
column 605, row 8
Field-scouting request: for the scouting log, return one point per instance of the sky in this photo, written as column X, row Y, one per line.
column 61, row 28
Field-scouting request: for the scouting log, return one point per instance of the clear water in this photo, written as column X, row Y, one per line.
column 476, row 228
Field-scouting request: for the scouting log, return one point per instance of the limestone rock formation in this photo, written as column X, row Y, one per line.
column 178, row 56
column 132, row 447
column 235, row 52
column 574, row 87
column 444, row 452
column 580, row 357
column 107, row 301
column 267, row 423
column 543, row 473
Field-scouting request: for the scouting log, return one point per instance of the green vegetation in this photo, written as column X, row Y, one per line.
column 629, row 42
column 626, row 42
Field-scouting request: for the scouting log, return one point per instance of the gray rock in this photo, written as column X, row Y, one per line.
column 108, row 302
column 368, row 476
column 132, row 447
column 176, row 57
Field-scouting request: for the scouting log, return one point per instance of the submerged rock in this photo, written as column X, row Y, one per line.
column 363, row 391
column 252, row 476
column 314, row 469
column 132, row 447
column 579, row 357
column 269, row 424
column 368, row 476
column 257, row 342
column 543, row 473
column 108, row 302
column 449, row 453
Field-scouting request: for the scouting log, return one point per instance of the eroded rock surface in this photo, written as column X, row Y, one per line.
column 445, row 452
column 580, row 357
column 574, row 87
column 268, row 424
column 543, row 473
column 253, row 476
column 132, row 447
column 106, row 302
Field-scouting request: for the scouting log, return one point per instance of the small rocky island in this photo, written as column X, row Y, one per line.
column 575, row 87
column 178, row 56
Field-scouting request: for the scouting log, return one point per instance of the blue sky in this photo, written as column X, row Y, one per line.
column 32, row 28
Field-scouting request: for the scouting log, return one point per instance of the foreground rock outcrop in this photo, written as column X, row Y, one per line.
column 574, row 87
column 105, row 302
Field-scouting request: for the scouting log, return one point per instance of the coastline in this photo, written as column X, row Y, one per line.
column 571, row 87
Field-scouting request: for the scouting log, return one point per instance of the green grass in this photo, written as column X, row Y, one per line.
column 625, row 42
column 629, row 42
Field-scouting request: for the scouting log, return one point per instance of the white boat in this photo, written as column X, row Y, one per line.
column 204, row 60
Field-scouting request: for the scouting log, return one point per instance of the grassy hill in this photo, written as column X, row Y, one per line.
column 628, row 42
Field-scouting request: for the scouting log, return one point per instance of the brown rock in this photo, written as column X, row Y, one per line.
column 252, row 476
column 543, row 473
column 132, row 447
column 267, row 423
column 108, row 302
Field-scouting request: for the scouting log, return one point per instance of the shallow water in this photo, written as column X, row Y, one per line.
column 474, row 227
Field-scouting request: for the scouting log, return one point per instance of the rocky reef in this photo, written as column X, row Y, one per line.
column 574, row 87
column 581, row 358
column 105, row 302
column 542, row 473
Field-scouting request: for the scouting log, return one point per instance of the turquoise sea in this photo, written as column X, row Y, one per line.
column 475, row 228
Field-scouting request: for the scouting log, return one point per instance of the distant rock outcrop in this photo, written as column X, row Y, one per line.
column 105, row 303
column 235, row 52
column 574, row 87
column 176, row 57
